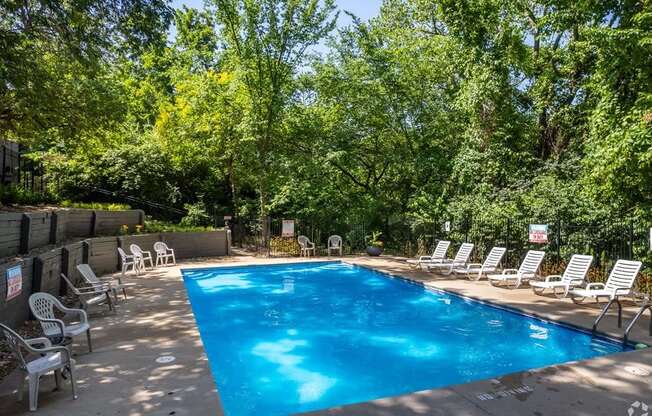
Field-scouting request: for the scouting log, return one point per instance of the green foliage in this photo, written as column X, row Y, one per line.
column 436, row 109
column 196, row 217
column 105, row 206
column 158, row 226
column 15, row 195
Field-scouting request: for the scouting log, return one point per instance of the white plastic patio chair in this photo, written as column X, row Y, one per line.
column 475, row 271
column 35, row 362
column 115, row 284
column 527, row 271
column 334, row 243
column 141, row 255
column 42, row 306
column 127, row 260
column 574, row 275
column 438, row 255
column 306, row 246
column 163, row 254
column 620, row 283
column 92, row 295
column 461, row 258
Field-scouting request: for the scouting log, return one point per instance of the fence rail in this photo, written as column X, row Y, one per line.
column 607, row 242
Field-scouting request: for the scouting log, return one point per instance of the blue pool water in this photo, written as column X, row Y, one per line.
column 284, row 339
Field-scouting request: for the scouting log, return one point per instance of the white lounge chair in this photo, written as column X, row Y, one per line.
column 527, row 271
column 141, row 255
column 92, row 295
column 574, row 275
column 163, row 254
column 620, row 283
column 128, row 260
column 475, row 271
column 306, row 246
column 335, row 244
column 438, row 255
column 42, row 306
column 48, row 359
column 115, row 284
column 460, row 260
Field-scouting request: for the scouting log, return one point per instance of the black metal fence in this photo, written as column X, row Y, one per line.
column 606, row 242
column 20, row 171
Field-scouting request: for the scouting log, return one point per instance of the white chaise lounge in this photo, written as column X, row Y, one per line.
column 620, row 283
column 438, row 255
column 461, row 258
column 574, row 275
column 475, row 271
column 512, row 278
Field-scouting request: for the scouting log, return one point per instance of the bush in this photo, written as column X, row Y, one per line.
column 196, row 217
column 287, row 246
column 20, row 196
column 106, row 206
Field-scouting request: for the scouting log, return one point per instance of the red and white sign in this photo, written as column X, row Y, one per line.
column 14, row 282
column 538, row 233
column 288, row 228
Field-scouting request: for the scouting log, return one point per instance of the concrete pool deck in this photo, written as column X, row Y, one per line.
column 121, row 376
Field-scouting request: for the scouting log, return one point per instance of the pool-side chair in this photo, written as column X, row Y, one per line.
column 447, row 266
column 306, row 245
column 512, row 278
column 94, row 295
column 620, row 283
column 114, row 284
column 57, row 330
column 37, row 357
column 128, row 260
column 475, row 271
column 334, row 243
column 438, row 255
column 574, row 275
column 163, row 254
column 141, row 256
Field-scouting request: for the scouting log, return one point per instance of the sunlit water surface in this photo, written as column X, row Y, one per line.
column 283, row 339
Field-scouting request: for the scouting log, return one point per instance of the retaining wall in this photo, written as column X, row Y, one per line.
column 42, row 271
column 21, row 233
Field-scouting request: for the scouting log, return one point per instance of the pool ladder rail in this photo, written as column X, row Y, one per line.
column 647, row 305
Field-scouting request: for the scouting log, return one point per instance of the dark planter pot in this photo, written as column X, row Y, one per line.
column 374, row 251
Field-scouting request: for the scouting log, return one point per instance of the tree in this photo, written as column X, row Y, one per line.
column 266, row 43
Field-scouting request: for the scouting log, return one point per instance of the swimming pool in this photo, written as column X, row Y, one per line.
column 291, row 338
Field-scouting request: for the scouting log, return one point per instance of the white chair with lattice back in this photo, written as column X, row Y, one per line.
column 306, row 245
column 163, row 254
column 334, row 244
column 57, row 330
column 141, row 255
column 35, row 362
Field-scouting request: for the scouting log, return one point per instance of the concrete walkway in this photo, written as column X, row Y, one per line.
column 122, row 377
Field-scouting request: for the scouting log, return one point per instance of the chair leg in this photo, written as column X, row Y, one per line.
column 33, row 391
column 57, row 380
column 124, row 292
column 73, row 382
column 21, row 388
column 88, row 339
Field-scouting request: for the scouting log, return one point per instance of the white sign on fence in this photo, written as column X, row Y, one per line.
column 538, row 233
column 288, row 228
column 14, row 282
column 447, row 226
column 650, row 239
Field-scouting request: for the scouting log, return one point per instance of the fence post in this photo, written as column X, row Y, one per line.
column 630, row 248
column 558, row 240
column 65, row 269
column 54, row 222
column 93, row 223
column 25, row 228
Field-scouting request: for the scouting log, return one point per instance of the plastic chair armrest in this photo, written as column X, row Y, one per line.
column 595, row 286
